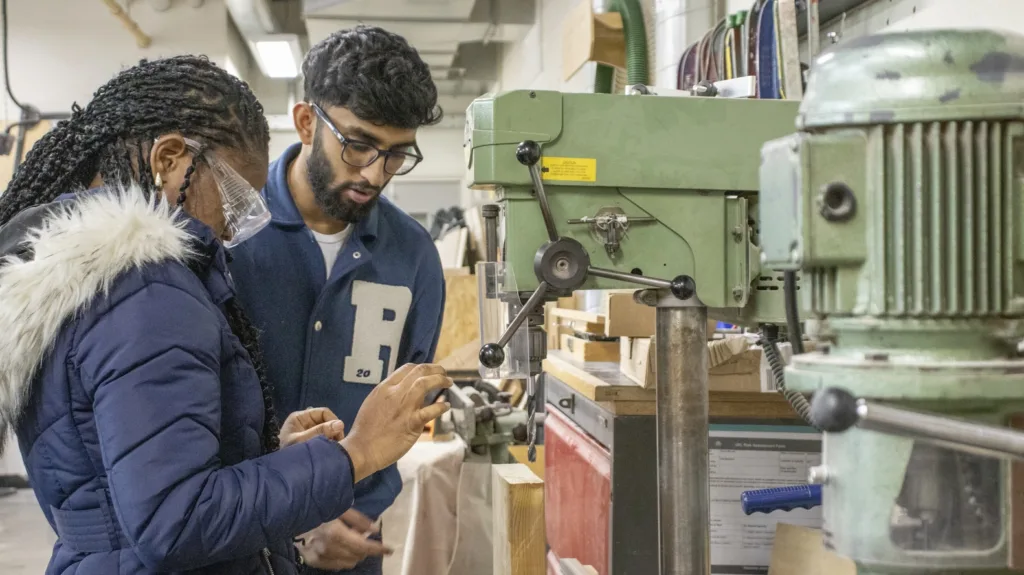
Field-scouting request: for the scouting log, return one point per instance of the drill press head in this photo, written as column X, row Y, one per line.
column 899, row 202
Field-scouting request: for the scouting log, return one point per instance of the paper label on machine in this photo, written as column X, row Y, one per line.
column 743, row 460
column 569, row 169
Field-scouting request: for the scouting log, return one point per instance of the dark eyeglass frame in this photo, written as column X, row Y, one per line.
column 418, row 156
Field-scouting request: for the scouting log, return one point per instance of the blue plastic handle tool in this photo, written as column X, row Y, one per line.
column 781, row 498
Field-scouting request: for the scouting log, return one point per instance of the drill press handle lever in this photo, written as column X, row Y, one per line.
column 835, row 410
column 781, row 499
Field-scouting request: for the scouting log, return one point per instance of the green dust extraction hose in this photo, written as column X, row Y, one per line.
column 636, row 48
column 604, row 79
column 636, row 40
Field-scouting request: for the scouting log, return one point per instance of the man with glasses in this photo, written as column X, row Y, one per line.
column 344, row 286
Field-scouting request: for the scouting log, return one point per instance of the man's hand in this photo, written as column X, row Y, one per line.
column 304, row 425
column 342, row 543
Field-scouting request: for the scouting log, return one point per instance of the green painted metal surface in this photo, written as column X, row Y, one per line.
column 690, row 163
column 920, row 285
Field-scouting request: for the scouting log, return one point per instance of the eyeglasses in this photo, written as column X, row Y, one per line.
column 360, row 154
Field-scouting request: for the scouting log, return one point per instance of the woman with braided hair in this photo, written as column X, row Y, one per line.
column 131, row 375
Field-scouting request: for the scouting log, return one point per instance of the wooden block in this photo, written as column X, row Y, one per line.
column 626, row 318
column 799, row 551
column 520, row 454
column 461, row 323
column 596, row 381
column 581, row 321
column 589, row 351
column 518, row 514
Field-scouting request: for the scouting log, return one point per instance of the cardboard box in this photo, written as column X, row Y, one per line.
column 799, row 550
column 733, row 364
column 590, row 37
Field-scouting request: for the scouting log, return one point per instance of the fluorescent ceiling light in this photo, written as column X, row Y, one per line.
column 279, row 56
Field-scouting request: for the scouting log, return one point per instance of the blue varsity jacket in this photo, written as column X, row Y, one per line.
column 327, row 340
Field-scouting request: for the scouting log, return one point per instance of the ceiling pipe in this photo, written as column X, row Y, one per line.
column 141, row 38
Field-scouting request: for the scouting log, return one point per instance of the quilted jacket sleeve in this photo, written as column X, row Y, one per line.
column 153, row 365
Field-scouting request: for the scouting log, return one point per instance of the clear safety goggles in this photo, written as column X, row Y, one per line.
column 245, row 212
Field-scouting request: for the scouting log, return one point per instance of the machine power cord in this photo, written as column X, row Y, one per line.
column 796, row 399
column 769, row 341
column 792, row 313
column 7, row 73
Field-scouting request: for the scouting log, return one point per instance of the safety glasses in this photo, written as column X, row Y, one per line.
column 245, row 212
column 360, row 154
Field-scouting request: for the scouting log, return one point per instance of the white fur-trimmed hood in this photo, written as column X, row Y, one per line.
column 76, row 252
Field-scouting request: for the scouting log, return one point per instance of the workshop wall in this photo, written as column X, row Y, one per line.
column 60, row 51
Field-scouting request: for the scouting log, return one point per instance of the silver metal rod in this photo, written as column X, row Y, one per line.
column 631, row 278
column 490, row 214
column 682, row 432
column 535, row 298
column 545, row 207
column 988, row 440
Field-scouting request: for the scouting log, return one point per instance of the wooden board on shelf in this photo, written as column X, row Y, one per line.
column 583, row 350
column 597, row 381
column 581, row 321
column 461, row 323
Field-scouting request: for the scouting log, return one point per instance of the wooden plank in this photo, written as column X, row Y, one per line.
column 518, row 514
column 461, row 323
column 520, row 454
column 596, row 381
column 626, row 318
column 799, row 550
column 580, row 321
column 588, row 351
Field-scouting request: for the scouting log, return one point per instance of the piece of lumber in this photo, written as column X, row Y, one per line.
column 518, row 514
column 596, row 381
column 583, row 350
column 461, row 323
column 798, row 550
column 521, row 454
column 626, row 318
column 581, row 321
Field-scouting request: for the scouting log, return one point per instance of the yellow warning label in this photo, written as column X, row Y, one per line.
column 569, row 169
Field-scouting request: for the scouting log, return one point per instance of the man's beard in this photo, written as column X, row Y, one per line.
column 331, row 199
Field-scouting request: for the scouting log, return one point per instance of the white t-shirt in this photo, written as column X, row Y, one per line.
column 331, row 245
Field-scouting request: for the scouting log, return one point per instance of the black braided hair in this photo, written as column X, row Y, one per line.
column 112, row 136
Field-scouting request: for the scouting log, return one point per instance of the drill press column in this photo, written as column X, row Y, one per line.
column 682, row 431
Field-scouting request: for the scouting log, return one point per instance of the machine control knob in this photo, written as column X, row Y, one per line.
column 834, row 410
column 528, row 153
column 683, row 287
column 492, row 356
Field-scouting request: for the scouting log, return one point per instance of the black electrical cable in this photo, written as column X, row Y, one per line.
column 799, row 403
column 7, row 73
column 792, row 313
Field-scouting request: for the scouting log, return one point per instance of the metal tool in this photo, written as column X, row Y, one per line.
column 483, row 417
column 690, row 186
column 897, row 202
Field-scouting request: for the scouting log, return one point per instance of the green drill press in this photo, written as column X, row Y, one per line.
column 603, row 191
column 900, row 199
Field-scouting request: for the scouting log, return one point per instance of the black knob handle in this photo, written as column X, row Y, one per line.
column 492, row 356
column 834, row 410
column 683, row 287
column 528, row 153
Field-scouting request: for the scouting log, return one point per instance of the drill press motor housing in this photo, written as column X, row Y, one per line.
column 900, row 199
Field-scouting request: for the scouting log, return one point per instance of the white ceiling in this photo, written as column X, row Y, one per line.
column 438, row 29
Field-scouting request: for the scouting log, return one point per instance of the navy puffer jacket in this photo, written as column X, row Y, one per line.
column 138, row 413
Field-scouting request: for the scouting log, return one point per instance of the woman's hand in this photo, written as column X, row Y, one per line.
column 392, row 417
column 304, row 425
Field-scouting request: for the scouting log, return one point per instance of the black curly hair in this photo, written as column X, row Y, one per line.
column 375, row 74
column 112, row 137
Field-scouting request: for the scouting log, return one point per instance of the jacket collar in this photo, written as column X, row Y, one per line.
column 283, row 211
